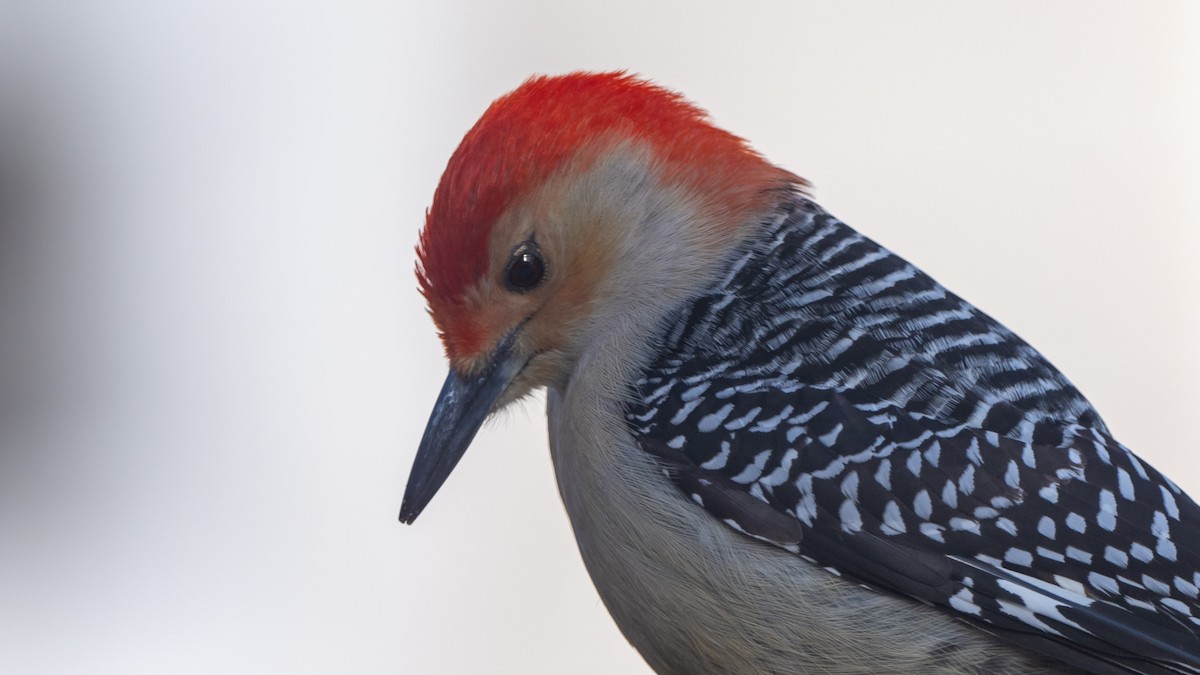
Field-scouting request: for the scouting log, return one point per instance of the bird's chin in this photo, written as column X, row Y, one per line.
column 544, row 368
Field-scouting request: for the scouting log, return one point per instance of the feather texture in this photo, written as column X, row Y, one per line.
column 829, row 398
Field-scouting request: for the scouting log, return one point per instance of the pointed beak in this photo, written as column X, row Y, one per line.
column 461, row 408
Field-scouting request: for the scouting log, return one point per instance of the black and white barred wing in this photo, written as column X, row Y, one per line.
column 1077, row 549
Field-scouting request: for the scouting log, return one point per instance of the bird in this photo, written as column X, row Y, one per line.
column 782, row 447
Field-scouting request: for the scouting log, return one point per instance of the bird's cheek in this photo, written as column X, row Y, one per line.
column 548, row 333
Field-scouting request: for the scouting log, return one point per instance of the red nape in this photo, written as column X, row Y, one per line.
column 527, row 134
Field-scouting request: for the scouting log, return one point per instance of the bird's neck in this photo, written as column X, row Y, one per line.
column 635, row 312
column 669, row 252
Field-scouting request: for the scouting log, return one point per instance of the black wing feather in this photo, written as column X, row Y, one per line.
column 829, row 398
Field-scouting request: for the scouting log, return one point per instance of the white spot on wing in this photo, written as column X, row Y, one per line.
column 1137, row 465
column 1070, row 584
column 1169, row 503
column 1017, row 556
column 964, row 525
column 742, row 421
column 781, row 472
column 771, row 423
column 1049, row 554
column 1012, row 475
column 922, row 505
column 1125, row 484
column 1156, row 585
column 1076, row 522
column 850, row 517
column 1177, row 606
column 1028, row 458
column 893, row 521
column 830, row 438
column 966, row 482
column 1107, row 517
column 685, row 411
column 883, row 475
column 806, row 507
column 973, row 454
column 1050, row 493
column 719, row 461
column 933, row 454
column 987, row 559
column 1104, row 583
column 1035, row 604
column 850, row 486
column 933, row 531
column 914, row 463
column 950, row 495
column 1186, row 587
column 1079, row 555
column 710, row 422
column 964, row 601
column 753, row 470
column 1159, row 527
column 1141, row 552
column 805, row 417
column 1046, row 527
column 1166, row 548
column 1116, row 557
column 1025, row 616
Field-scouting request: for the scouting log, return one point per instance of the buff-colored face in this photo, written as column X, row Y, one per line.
column 547, row 261
column 519, row 326
column 574, row 208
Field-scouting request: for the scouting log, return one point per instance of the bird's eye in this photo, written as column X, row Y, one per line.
column 525, row 269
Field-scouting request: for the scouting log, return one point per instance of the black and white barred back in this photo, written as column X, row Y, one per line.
column 829, row 398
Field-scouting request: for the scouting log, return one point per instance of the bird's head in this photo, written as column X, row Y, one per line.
column 573, row 203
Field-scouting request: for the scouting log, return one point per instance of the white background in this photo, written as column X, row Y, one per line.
column 215, row 366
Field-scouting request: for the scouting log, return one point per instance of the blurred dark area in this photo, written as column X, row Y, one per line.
column 23, row 329
column 36, row 342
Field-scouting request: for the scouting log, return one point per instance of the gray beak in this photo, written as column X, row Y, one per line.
column 461, row 408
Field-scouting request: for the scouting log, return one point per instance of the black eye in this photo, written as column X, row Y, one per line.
column 525, row 269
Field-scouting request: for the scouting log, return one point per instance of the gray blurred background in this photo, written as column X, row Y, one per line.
column 215, row 366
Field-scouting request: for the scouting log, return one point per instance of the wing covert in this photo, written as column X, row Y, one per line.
column 1078, row 543
column 828, row 398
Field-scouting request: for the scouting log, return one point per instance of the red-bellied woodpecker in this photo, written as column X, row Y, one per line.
column 782, row 447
